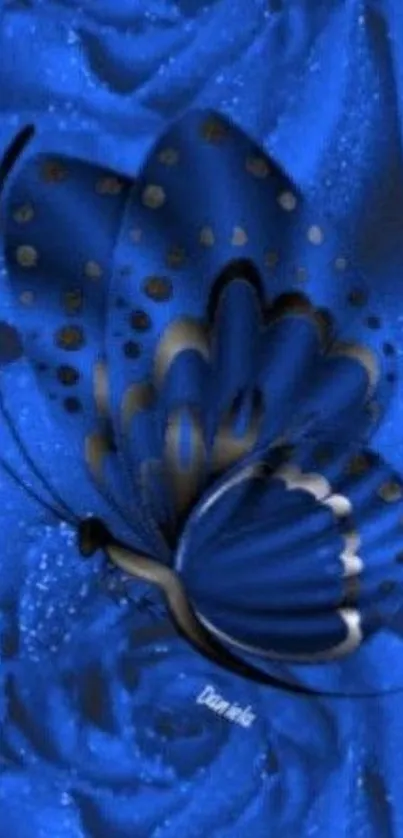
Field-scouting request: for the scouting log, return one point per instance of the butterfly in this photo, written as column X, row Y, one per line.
column 219, row 369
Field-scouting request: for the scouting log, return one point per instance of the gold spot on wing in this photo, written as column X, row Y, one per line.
column 140, row 321
column 271, row 259
column 73, row 301
column 390, row 492
column 213, row 130
column 93, row 269
column 175, row 257
column 153, row 196
column 206, row 237
column 239, row 237
column 168, row 156
column 27, row 256
column 181, row 335
column 67, row 375
column 185, row 480
column 158, row 288
column 96, row 449
column 228, row 446
column 70, row 338
column 137, row 398
column 257, row 166
column 287, row 201
column 109, row 185
column 315, row 235
column 363, row 356
column 53, row 171
column 23, row 214
column 101, row 388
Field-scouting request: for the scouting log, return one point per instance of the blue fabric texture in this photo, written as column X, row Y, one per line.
column 200, row 344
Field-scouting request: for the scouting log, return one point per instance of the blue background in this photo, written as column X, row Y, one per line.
column 319, row 85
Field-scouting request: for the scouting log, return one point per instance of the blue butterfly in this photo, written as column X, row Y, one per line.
column 207, row 350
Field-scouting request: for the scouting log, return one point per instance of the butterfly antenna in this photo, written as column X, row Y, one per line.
column 58, row 500
column 32, row 494
column 14, row 151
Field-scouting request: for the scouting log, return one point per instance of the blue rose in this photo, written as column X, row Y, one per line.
column 321, row 120
column 102, row 732
column 126, row 69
